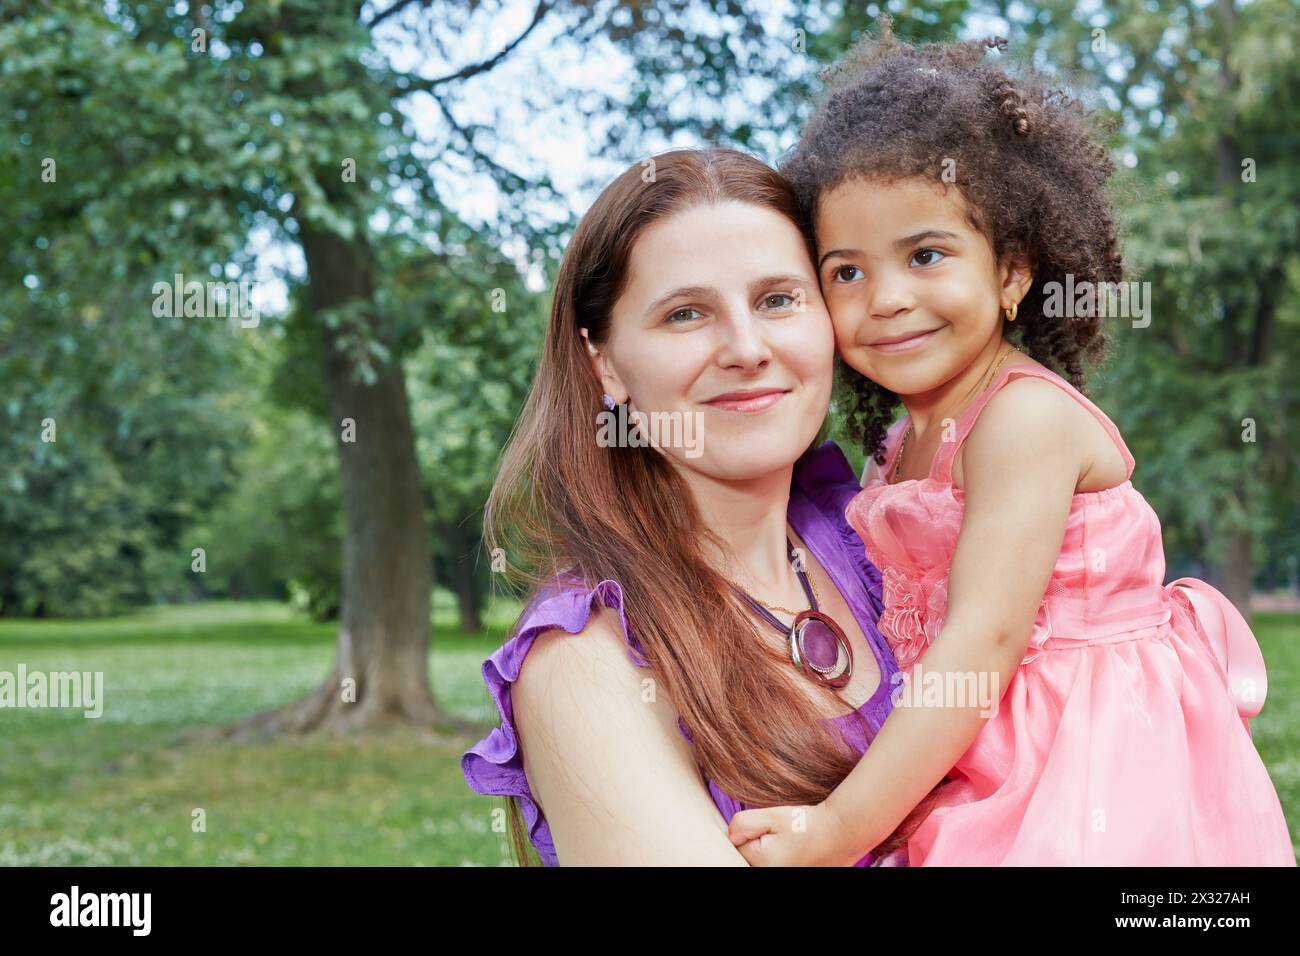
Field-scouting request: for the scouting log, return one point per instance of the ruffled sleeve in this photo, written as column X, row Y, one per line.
column 826, row 478
column 494, row 766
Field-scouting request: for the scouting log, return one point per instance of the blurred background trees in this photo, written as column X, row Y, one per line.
column 398, row 179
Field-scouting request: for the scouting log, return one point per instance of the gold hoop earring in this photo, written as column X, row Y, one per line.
column 1011, row 312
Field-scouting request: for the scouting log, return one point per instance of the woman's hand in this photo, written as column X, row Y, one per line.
column 790, row 836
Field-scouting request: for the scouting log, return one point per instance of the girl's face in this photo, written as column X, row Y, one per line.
column 722, row 321
column 914, row 291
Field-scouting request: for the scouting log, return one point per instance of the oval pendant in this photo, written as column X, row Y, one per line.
column 819, row 648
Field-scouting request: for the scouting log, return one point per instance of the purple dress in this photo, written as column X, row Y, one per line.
column 822, row 485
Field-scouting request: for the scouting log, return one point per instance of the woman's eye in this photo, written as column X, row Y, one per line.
column 931, row 256
column 778, row 301
column 685, row 314
column 845, row 273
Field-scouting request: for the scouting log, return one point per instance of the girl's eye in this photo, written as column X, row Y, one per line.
column 683, row 314
column 778, row 301
column 934, row 256
column 844, row 273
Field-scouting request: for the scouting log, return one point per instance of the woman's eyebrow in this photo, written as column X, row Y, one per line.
column 686, row 291
column 782, row 278
column 706, row 292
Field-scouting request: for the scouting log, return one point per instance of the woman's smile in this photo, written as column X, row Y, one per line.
column 748, row 401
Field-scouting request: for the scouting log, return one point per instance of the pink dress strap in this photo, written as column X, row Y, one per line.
column 941, row 467
column 893, row 436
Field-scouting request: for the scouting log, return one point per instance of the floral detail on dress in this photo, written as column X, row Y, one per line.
column 916, row 607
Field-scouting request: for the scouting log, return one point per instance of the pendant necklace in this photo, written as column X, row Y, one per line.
column 818, row 646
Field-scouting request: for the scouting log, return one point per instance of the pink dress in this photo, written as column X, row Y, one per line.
column 1123, row 739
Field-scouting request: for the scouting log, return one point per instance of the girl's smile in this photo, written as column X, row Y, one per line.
column 905, row 341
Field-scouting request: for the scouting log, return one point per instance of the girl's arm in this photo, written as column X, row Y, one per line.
column 1021, row 466
column 612, row 772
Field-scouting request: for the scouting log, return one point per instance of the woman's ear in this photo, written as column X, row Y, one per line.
column 609, row 381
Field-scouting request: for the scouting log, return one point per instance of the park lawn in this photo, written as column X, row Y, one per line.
column 1276, row 731
column 118, row 790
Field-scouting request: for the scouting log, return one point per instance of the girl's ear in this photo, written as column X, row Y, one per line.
column 1017, row 277
column 609, row 380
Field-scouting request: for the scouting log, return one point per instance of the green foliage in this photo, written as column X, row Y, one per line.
column 178, row 157
column 1213, row 221
column 279, row 531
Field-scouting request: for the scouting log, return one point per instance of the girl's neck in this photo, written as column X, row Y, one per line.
column 930, row 409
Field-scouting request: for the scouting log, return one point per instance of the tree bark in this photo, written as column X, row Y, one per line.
column 381, row 675
column 467, row 596
column 1238, row 572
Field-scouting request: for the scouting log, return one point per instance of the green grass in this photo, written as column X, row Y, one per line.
column 118, row 790
column 1276, row 731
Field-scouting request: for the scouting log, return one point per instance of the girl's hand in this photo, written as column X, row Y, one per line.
column 791, row 836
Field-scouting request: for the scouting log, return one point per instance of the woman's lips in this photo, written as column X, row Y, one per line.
column 915, row 341
column 757, row 402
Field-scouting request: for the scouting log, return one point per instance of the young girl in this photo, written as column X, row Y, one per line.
column 1086, row 713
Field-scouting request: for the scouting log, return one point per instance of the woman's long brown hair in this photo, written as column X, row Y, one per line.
column 563, row 505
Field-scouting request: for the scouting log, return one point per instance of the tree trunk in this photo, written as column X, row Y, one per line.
column 1238, row 573
column 381, row 674
column 467, row 596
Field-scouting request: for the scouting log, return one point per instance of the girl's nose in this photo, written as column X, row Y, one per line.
column 889, row 295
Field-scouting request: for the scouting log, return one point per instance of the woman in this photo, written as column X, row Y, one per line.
column 660, row 694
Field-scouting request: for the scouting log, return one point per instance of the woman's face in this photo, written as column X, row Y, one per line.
column 722, row 322
column 914, row 291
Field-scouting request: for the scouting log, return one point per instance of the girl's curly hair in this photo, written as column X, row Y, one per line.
column 1026, row 157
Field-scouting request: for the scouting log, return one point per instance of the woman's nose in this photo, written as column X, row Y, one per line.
column 744, row 340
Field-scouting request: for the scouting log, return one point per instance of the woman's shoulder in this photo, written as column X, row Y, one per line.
column 571, row 673
column 578, row 630
column 565, row 630
column 824, row 484
column 563, row 619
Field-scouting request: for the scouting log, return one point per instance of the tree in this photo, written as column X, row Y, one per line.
column 300, row 120
column 1204, row 393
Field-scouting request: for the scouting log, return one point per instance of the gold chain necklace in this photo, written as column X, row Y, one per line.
column 898, row 462
column 776, row 607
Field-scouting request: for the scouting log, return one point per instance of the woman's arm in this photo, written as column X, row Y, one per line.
column 604, row 757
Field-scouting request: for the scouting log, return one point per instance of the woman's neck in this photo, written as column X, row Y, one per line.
column 930, row 409
column 749, row 518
